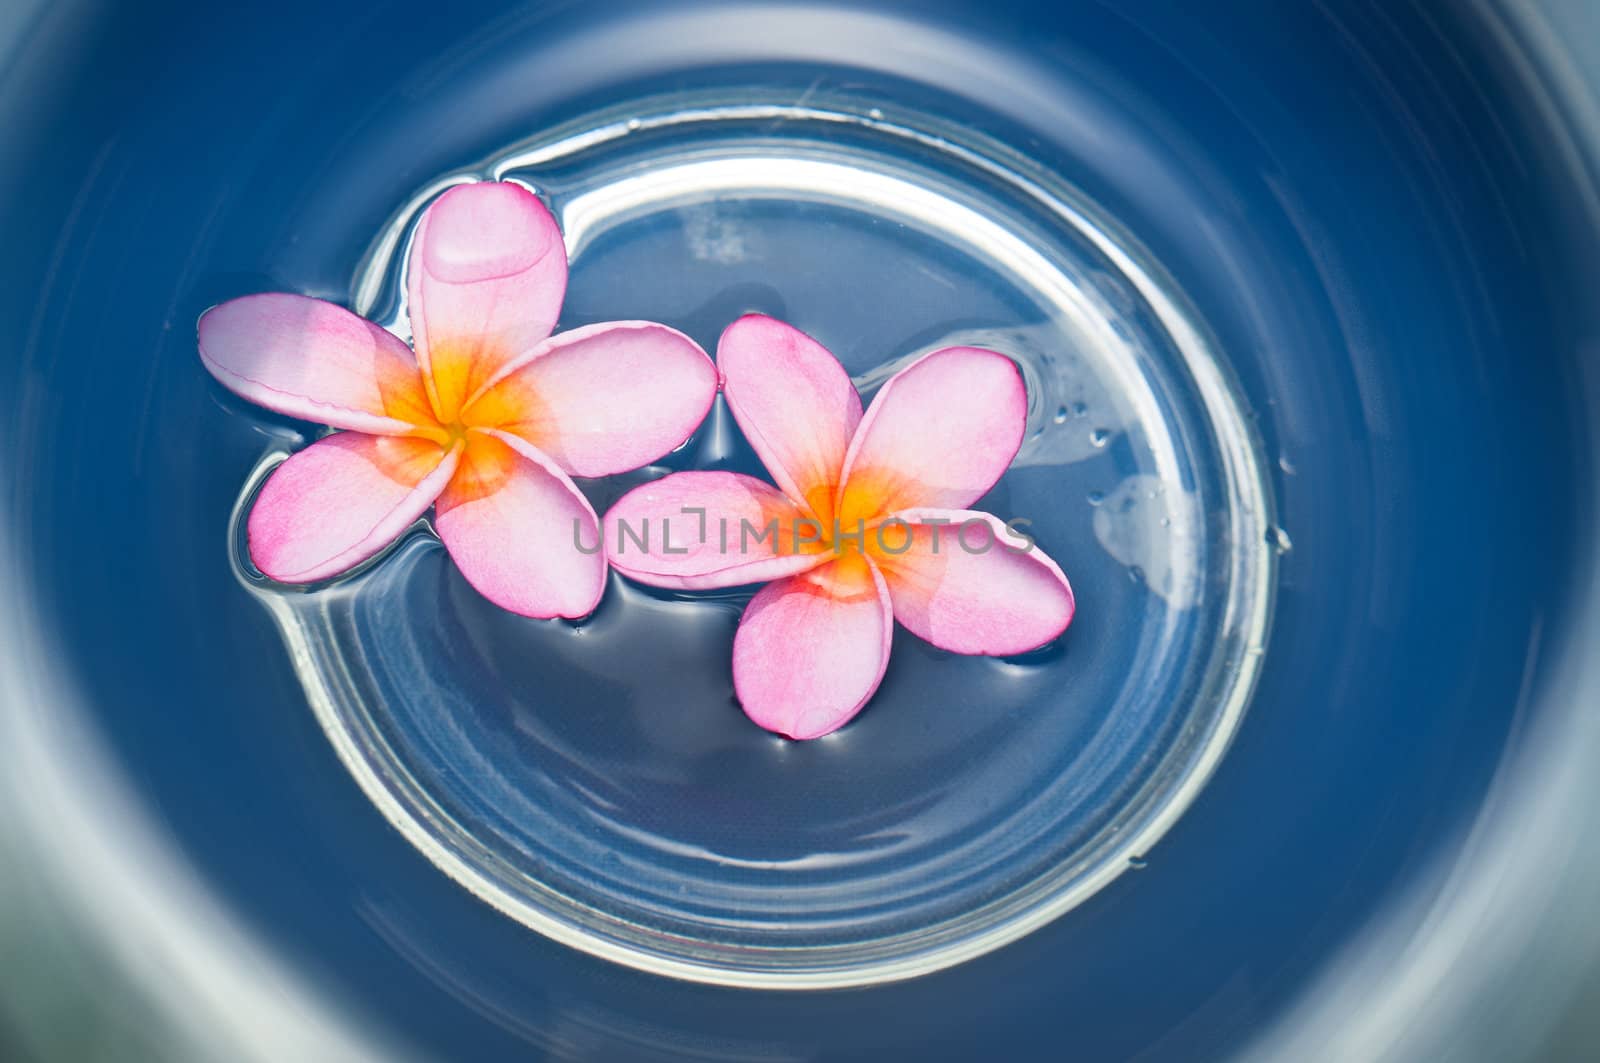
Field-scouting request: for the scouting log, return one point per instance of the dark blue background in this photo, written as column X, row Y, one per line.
column 1349, row 193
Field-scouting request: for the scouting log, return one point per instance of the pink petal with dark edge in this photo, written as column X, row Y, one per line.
column 699, row 530
column 940, row 433
column 310, row 359
column 339, row 501
column 518, row 528
column 811, row 649
column 602, row 399
column 795, row 404
column 969, row 586
column 486, row 277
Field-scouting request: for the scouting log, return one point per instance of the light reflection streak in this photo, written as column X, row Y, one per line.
column 85, row 863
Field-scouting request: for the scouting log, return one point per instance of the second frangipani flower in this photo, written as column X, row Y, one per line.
column 486, row 422
column 868, row 523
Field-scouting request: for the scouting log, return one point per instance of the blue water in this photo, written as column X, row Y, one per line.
column 1343, row 196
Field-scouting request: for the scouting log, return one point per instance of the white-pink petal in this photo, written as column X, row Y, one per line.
column 520, row 530
column 341, row 500
column 700, row 530
column 604, row 398
column 940, row 433
column 811, row 649
column 967, row 584
column 794, row 402
column 310, row 359
column 486, row 277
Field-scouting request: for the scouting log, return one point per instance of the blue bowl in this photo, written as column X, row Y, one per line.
column 1380, row 220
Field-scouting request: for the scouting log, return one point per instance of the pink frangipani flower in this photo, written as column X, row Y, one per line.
column 868, row 523
column 486, row 422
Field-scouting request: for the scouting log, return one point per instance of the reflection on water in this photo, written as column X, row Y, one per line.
column 1150, row 527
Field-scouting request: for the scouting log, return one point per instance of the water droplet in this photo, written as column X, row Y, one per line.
column 1286, row 465
column 1100, row 436
column 1166, row 522
column 634, row 125
column 1079, row 409
column 1278, row 539
column 1138, row 863
column 1096, row 497
column 1061, row 415
column 1136, row 574
column 875, row 114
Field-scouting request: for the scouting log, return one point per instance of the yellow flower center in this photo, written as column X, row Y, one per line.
column 859, row 527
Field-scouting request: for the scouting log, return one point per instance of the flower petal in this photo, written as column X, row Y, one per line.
column 794, row 402
column 939, row 433
column 962, row 581
column 341, row 500
column 518, row 529
column 811, row 649
column 486, row 278
column 602, row 399
column 315, row 361
column 698, row 530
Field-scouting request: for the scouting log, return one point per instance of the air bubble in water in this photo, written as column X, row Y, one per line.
column 1100, row 437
